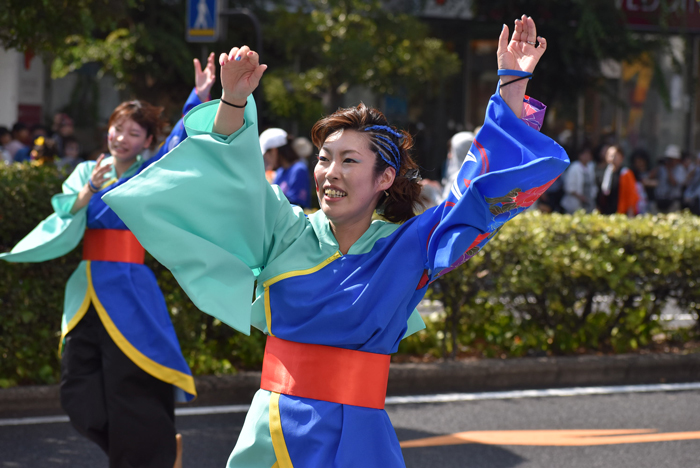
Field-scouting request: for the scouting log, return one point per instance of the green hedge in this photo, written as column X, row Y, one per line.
column 536, row 288
column 531, row 290
column 31, row 296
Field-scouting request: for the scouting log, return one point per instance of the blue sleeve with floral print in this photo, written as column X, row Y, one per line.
column 509, row 165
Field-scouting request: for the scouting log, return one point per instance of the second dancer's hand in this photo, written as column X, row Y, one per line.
column 204, row 78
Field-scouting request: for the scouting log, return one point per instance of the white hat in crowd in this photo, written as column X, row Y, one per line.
column 303, row 147
column 460, row 144
column 272, row 138
column 672, row 152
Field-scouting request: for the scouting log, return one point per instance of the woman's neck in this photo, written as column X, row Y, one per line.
column 347, row 234
column 120, row 167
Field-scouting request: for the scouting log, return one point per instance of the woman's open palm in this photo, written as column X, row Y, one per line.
column 522, row 52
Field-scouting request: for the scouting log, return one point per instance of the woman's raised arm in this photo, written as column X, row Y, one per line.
column 240, row 74
column 521, row 54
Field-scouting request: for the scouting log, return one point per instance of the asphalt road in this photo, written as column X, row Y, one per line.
column 643, row 431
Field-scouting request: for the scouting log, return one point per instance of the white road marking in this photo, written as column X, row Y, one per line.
column 403, row 400
column 550, row 392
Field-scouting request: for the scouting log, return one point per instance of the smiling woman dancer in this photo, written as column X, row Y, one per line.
column 336, row 291
column 121, row 365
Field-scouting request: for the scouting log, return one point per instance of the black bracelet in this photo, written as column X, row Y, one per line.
column 527, row 77
column 233, row 105
column 92, row 187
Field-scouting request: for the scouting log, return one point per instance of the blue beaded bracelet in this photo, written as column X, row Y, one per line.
column 92, row 186
column 505, row 71
column 522, row 74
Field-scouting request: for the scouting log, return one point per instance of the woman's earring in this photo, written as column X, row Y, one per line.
column 386, row 193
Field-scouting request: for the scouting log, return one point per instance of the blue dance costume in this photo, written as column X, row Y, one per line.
column 206, row 212
column 126, row 296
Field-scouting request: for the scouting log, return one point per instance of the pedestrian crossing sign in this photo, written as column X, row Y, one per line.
column 202, row 20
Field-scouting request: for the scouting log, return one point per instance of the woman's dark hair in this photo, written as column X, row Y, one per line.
column 287, row 153
column 386, row 142
column 141, row 112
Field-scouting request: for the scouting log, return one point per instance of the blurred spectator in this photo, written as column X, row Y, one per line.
column 71, row 154
column 24, row 154
column 618, row 191
column 550, row 201
column 579, row 183
column 303, row 147
column 691, row 194
column 20, row 138
column 430, row 194
column 62, row 127
column 688, row 161
column 459, row 146
column 44, row 152
column 291, row 173
column 671, row 176
column 5, row 138
column 645, row 176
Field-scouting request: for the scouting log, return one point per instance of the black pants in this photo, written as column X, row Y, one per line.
column 114, row 403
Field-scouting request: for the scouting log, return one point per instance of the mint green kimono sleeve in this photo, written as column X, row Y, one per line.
column 206, row 212
column 60, row 232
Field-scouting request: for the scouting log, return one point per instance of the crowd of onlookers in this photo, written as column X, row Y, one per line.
column 604, row 179
column 37, row 144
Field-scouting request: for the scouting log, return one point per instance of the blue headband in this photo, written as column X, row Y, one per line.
column 382, row 141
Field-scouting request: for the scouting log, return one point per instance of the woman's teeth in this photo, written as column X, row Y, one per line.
column 334, row 193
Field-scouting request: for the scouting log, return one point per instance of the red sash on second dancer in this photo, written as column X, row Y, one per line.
column 112, row 245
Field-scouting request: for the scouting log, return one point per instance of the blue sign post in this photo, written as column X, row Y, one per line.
column 202, row 20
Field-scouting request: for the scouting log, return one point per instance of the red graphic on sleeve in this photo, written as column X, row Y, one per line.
column 527, row 198
column 484, row 157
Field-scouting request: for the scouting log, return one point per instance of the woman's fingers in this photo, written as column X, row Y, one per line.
column 543, row 44
column 103, row 170
column 233, row 53
column 254, row 58
column 531, row 30
column 242, row 53
column 503, row 40
column 517, row 30
column 223, row 58
column 258, row 73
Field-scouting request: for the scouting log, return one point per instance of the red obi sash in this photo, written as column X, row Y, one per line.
column 112, row 245
column 325, row 373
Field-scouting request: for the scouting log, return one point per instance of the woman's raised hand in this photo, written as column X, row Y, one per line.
column 240, row 74
column 522, row 52
column 97, row 177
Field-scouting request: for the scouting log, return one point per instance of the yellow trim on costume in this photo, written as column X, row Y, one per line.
column 278, row 443
column 289, row 274
column 76, row 318
column 111, row 181
column 159, row 371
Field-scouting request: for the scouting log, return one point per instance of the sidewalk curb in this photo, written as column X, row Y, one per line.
column 440, row 377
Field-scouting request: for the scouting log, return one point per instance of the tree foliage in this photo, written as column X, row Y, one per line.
column 328, row 46
column 42, row 26
column 580, row 34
